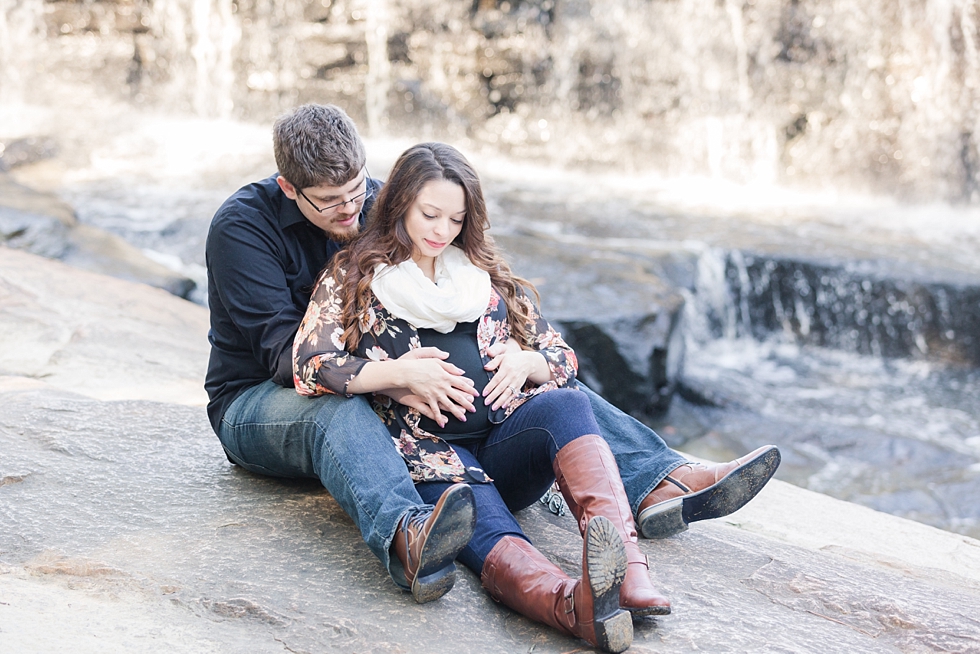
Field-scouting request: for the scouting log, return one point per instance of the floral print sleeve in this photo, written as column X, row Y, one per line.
column 544, row 338
column 320, row 362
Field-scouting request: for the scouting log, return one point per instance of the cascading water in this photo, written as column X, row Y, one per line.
column 847, row 307
column 860, row 379
column 21, row 34
column 878, row 95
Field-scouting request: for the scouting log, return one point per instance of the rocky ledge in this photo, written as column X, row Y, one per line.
column 123, row 527
column 40, row 223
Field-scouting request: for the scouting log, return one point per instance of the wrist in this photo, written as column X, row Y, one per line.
column 540, row 370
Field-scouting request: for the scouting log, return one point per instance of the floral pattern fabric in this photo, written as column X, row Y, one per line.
column 321, row 364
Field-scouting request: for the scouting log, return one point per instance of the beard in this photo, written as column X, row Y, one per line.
column 345, row 235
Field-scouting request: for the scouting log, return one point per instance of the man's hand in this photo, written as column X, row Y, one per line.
column 513, row 367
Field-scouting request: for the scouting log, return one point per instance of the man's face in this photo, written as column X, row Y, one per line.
column 334, row 209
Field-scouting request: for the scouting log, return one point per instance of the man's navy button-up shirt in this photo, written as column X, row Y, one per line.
column 263, row 257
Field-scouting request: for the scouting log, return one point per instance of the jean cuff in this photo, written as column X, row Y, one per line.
column 656, row 482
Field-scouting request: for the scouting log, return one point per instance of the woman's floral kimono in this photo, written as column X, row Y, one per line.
column 322, row 365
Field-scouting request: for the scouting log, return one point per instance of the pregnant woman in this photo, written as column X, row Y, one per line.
column 422, row 305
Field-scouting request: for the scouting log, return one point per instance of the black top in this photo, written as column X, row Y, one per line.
column 464, row 353
column 262, row 256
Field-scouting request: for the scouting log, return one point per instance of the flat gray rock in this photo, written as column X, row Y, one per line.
column 132, row 504
column 123, row 528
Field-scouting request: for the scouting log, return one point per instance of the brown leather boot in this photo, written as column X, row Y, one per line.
column 589, row 479
column 428, row 540
column 519, row 576
column 695, row 491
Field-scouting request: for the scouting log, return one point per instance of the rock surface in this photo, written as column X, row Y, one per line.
column 42, row 224
column 104, row 337
column 123, row 527
column 613, row 306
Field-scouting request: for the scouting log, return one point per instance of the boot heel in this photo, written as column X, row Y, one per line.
column 615, row 634
column 434, row 586
column 663, row 519
column 606, row 562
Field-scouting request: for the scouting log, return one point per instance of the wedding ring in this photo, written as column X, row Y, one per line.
column 514, row 391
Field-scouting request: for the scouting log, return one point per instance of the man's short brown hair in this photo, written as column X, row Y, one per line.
column 317, row 144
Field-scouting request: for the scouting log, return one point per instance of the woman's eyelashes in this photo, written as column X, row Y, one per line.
column 455, row 221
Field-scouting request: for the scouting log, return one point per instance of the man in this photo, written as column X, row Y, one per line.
column 266, row 246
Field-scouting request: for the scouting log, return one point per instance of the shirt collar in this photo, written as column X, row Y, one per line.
column 289, row 213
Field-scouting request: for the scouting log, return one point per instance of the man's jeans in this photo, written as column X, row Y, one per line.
column 274, row 431
column 642, row 456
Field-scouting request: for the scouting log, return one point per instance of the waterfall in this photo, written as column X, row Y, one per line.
column 21, row 40
column 709, row 310
column 378, row 82
column 875, row 96
column 196, row 39
column 845, row 306
column 741, row 53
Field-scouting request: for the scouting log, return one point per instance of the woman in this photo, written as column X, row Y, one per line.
column 422, row 301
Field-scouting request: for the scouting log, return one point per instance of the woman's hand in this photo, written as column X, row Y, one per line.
column 431, row 385
column 513, row 367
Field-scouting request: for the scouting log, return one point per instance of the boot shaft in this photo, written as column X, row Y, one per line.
column 589, row 480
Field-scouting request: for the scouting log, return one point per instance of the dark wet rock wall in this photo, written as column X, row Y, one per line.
column 852, row 307
column 611, row 305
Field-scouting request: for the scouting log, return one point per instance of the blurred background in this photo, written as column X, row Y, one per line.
column 875, row 96
column 757, row 220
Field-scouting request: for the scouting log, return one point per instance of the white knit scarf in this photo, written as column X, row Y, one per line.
column 461, row 291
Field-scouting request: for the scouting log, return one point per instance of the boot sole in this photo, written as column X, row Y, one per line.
column 725, row 497
column 450, row 533
column 650, row 610
column 606, row 561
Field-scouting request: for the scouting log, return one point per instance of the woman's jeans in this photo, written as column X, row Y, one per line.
column 518, row 456
column 274, row 431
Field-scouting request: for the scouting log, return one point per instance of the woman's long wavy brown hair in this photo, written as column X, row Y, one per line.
column 385, row 239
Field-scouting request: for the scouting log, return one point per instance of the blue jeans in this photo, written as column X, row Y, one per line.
column 518, row 456
column 274, row 431
column 642, row 456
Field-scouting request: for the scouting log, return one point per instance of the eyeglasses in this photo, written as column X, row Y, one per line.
column 334, row 208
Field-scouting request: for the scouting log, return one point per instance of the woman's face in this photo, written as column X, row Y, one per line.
column 435, row 219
